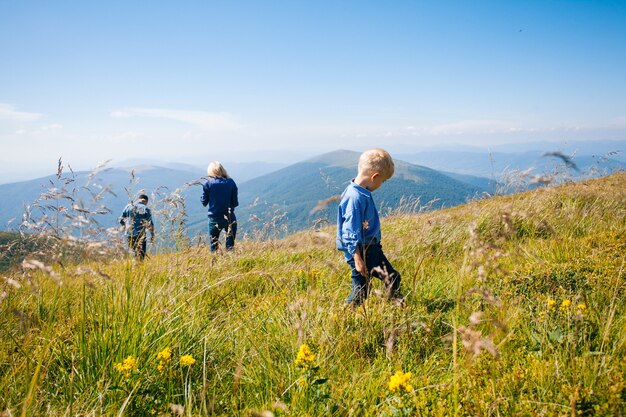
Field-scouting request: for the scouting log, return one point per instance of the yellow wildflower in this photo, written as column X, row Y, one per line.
column 187, row 360
column 565, row 305
column 314, row 273
column 127, row 366
column 400, row 382
column 582, row 307
column 305, row 357
column 551, row 303
column 165, row 355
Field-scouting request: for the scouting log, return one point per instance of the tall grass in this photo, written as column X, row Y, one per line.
column 494, row 322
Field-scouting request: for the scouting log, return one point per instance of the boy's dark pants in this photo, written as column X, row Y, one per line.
column 378, row 266
column 138, row 245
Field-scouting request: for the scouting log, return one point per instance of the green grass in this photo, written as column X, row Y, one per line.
column 243, row 317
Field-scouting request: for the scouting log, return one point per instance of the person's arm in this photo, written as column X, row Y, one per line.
column 359, row 263
column 150, row 225
column 204, row 199
column 234, row 197
column 124, row 216
column 352, row 234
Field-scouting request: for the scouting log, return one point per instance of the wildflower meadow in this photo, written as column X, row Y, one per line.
column 514, row 306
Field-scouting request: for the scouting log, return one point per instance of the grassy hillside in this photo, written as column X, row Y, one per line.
column 13, row 248
column 7, row 242
column 514, row 306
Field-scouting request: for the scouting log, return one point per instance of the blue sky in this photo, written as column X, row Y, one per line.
column 193, row 81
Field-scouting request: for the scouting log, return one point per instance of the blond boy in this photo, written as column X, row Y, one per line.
column 358, row 228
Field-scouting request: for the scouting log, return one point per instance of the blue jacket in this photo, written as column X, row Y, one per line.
column 140, row 218
column 357, row 220
column 220, row 194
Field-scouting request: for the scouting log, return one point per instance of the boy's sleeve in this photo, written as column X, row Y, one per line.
column 351, row 231
column 150, row 223
column 124, row 215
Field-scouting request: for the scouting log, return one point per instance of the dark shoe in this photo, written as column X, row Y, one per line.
column 397, row 298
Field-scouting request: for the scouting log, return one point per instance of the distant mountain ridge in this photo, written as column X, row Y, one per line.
column 298, row 188
column 287, row 199
column 291, row 192
column 124, row 184
column 603, row 157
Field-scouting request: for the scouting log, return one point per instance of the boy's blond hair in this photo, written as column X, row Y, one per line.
column 376, row 161
column 216, row 169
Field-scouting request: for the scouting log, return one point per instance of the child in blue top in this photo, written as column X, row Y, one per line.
column 358, row 228
column 220, row 193
column 140, row 219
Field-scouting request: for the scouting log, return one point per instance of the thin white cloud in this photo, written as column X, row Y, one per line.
column 472, row 130
column 619, row 122
column 8, row 112
column 40, row 130
column 201, row 119
column 125, row 138
column 52, row 126
column 474, row 126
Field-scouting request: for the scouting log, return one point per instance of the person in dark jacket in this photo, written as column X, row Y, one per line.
column 140, row 220
column 219, row 192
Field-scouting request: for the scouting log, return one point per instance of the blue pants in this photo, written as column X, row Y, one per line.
column 378, row 266
column 219, row 223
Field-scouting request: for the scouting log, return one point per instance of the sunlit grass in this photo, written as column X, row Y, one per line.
column 477, row 336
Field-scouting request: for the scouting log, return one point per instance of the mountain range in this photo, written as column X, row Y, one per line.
column 275, row 199
column 496, row 164
column 306, row 192
column 273, row 203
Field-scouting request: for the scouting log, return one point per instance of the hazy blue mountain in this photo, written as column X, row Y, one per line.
column 124, row 184
column 482, row 183
column 495, row 165
column 240, row 171
column 285, row 199
column 589, row 148
column 614, row 148
column 297, row 189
